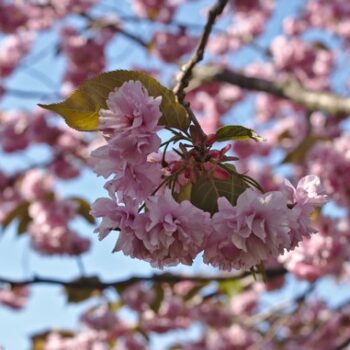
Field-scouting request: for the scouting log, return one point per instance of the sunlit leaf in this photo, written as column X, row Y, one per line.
column 236, row 133
column 230, row 287
column 84, row 209
column 299, row 153
column 81, row 109
column 15, row 214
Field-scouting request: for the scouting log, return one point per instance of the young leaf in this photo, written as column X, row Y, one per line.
column 84, row 209
column 299, row 153
column 85, row 288
column 81, row 109
column 230, row 287
column 184, row 194
column 159, row 296
column 236, row 132
column 207, row 190
column 15, row 214
column 23, row 221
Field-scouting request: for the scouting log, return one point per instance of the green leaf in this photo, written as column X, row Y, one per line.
column 84, row 209
column 23, row 222
column 85, row 288
column 230, row 287
column 236, row 132
column 81, row 109
column 207, row 190
column 184, row 194
column 158, row 298
column 194, row 291
column 15, row 214
column 299, row 153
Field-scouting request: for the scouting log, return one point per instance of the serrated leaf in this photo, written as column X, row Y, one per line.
column 299, row 153
column 81, row 109
column 230, row 287
column 84, row 209
column 207, row 190
column 14, row 214
column 85, row 288
column 236, row 133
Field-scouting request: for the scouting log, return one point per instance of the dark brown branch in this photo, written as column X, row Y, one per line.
column 290, row 89
column 186, row 70
column 165, row 277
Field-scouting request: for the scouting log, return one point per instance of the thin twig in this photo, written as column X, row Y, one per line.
column 186, row 70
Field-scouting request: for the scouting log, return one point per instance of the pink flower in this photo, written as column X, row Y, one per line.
column 130, row 107
column 170, row 47
column 136, row 182
column 113, row 216
column 138, row 297
column 134, row 145
column 99, row 318
column 321, row 254
column 172, row 314
column 170, row 232
column 14, row 297
column 308, row 191
column 255, row 229
column 35, row 184
column 303, row 199
column 106, row 161
column 57, row 240
column 159, row 10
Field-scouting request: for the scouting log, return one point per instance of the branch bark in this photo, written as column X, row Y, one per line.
column 290, row 89
column 165, row 277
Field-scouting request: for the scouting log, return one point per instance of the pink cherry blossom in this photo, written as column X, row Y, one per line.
column 160, row 10
column 35, row 184
column 169, row 232
column 323, row 253
column 170, row 47
column 15, row 297
column 130, row 107
column 255, row 229
column 137, row 181
column 114, row 216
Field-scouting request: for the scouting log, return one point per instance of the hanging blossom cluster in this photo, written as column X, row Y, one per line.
column 146, row 188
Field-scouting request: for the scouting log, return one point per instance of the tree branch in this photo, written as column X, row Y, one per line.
column 290, row 90
column 165, row 277
column 186, row 70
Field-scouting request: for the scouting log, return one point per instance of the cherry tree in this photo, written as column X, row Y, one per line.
column 219, row 132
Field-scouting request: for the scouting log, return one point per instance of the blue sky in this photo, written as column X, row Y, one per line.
column 47, row 307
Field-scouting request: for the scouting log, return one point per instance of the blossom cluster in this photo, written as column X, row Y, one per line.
column 169, row 232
